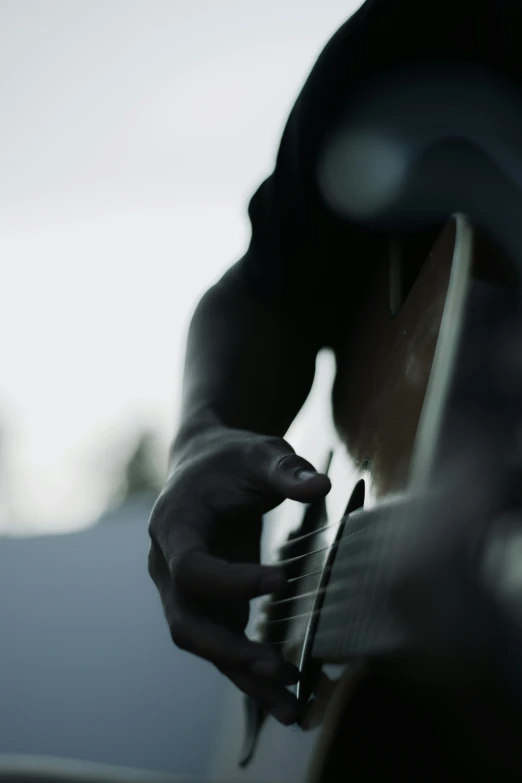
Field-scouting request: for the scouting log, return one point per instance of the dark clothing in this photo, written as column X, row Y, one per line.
column 301, row 255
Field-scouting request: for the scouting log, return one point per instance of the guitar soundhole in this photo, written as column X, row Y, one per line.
column 310, row 667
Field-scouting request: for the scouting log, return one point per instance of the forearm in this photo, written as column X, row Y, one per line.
column 245, row 367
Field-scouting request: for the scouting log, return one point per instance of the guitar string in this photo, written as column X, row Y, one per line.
column 369, row 589
column 307, row 535
column 389, row 537
column 343, row 585
column 305, row 555
column 331, row 546
column 323, row 611
column 304, row 576
column 334, row 632
column 295, row 597
column 319, row 635
column 330, row 588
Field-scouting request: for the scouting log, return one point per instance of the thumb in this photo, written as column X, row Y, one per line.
column 292, row 476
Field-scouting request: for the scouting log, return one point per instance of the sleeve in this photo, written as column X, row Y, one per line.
column 296, row 259
column 302, row 259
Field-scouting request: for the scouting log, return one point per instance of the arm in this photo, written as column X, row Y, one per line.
column 247, row 367
column 247, row 373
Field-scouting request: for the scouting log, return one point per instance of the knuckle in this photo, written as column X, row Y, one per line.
column 274, row 445
column 158, row 570
column 289, row 462
column 152, row 560
column 255, row 447
column 264, row 452
column 179, row 566
column 284, row 460
column 180, row 635
column 157, row 514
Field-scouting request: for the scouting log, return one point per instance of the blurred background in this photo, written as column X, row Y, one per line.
column 133, row 134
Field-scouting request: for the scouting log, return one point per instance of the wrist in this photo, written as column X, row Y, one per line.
column 190, row 432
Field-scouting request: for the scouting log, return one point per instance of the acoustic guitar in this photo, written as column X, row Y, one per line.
column 397, row 610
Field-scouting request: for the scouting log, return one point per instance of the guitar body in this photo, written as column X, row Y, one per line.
column 390, row 401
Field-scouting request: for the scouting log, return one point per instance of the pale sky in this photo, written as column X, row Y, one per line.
column 133, row 134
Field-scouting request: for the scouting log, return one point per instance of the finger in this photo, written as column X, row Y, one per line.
column 292, row 476
column 201, row 636
column 157, row 567
column 229, row 650
column 277, row 700
column 204, row 576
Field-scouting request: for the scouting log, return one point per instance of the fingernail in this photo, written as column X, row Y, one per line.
column 306, row 475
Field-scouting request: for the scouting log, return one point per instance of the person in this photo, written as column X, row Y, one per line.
column 254, row 337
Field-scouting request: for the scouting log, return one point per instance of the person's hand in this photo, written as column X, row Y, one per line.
column 204, row 557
